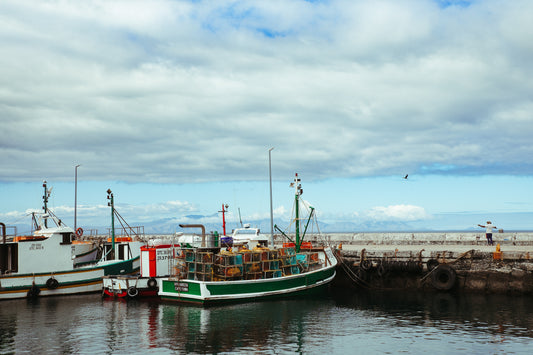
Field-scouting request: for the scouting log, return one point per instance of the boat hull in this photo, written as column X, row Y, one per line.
column 129, row 286
column 80, row 280
column 210, row 292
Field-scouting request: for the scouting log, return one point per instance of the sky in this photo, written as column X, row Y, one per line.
column 174, row 105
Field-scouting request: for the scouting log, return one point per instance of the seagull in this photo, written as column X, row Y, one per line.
column 405, row 177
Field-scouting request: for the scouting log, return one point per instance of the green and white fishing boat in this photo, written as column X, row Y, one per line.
column 207, row 275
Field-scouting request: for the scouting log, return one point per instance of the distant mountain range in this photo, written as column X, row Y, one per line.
column 441, row 222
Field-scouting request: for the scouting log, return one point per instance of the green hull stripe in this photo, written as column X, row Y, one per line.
column 190, row 290
column 111, row 269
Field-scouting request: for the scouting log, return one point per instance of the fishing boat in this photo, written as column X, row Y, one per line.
column 47, row 264
column 208, row 275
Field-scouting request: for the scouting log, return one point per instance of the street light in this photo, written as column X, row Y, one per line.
column 76, row 195
column 271, row 212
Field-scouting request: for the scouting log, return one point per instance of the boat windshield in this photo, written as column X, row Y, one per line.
column 245, row 231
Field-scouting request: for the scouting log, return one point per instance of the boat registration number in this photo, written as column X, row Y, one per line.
column 181, row 286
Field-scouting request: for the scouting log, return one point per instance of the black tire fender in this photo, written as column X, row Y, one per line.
column 382, row 268
column 52, row 283
column 152, row 283
column 366, row 264
column 133, row 291
column 443, row 277
column 432, row 263
column 33, row 292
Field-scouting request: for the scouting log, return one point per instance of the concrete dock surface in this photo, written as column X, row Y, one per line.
column 512, row 245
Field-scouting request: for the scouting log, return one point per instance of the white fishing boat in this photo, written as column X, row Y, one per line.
column 206, row 275
column 45, row 263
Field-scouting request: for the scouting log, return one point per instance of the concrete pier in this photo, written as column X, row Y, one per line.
column 436, row 261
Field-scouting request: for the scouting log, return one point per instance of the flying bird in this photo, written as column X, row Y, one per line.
column 405, row 177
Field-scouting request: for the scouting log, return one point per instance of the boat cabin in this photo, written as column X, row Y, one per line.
column 250, row 236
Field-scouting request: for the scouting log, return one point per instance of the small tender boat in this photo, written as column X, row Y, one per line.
column 206, row 275
column 156, row 260
column 48, row 263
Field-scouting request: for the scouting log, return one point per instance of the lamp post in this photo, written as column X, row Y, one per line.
column 76, row 196
column 271, row 211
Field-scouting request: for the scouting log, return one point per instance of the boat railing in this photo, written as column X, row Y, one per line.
column 135, row 231
column 6, row 236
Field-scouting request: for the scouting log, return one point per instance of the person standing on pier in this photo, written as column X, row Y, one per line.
column 488, row 231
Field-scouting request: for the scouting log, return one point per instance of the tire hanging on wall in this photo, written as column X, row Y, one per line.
column 443, row 277
column 366, row 265
column 432, row 263
column 382, row 268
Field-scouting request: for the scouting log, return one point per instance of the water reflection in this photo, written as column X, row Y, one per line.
column 250, row 327
column 495, row 314
column 382, row 322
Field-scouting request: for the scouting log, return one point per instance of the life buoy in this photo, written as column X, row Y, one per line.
column 79, row 232
column 431, row 264
column 133, row 291
column 443, row 277
column 152, row 283
column 52, row 283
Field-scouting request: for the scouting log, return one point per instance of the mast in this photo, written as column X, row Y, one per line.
column 45, row 201
column 76, row 196
column 224, row 217
column 111, row 203
column 298, row 191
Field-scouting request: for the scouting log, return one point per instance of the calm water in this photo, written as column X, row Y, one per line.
column 364, row 323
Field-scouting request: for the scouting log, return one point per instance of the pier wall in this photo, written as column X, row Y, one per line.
column 444, row 262
column 467, row 238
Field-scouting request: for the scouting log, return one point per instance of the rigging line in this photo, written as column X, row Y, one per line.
column 355, row 278
column 19, row 219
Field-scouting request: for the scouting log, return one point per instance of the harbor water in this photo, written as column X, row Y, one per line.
column 339, row 323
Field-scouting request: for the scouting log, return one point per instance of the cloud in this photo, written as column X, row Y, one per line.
column 181, row 91
column 405, row 213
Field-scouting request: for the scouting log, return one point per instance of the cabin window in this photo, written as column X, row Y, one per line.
column 67, row 238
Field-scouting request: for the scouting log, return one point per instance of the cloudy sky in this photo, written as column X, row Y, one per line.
column 174, row 105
